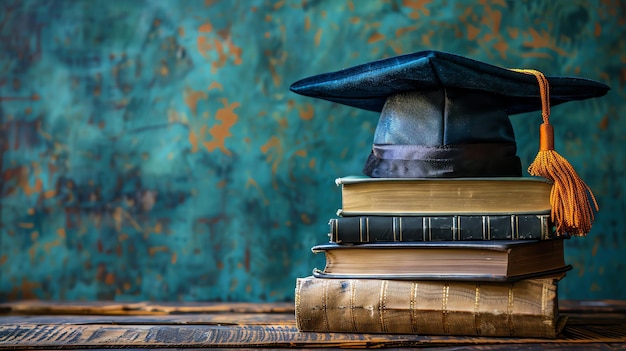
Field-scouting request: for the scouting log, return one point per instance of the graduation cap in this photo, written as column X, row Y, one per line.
column 444, row 115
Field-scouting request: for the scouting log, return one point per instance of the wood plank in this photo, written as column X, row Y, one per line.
column 36, row 307
column 103, row 325
column 194, row 318
column 87, row 336
column 576, row 306
column 52, row 336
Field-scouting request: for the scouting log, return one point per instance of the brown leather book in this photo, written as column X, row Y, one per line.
column 526, row 308
column 444, row 260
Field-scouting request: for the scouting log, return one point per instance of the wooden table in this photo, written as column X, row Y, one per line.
column 592, row 325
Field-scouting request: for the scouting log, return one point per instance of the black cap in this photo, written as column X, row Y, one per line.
column 442, row 115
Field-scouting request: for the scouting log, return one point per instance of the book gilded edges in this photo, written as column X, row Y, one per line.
column 443, row 196
column 526, row 308
column 459, row 260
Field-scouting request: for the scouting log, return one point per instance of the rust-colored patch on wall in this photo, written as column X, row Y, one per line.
column 306, row 112
column 305, row 218
column 20, row 176
column 193, row 140
column 109, row 279
column 274, row 62
column 492, row 19
column 405, row 30
column 205, row 28
column 26, row 290
column 192, row 97
column 276, row 156
column 220, row 132
column 225, row 49
column 216, row 85
column 418, row 7
column 251, row 182
column 156, row 249
column 318, row 37
column 604, row 123
column 49, row 245
column 543, row 40
column 375, row 37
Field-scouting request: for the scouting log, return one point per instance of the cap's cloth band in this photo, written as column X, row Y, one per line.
column 452, row 161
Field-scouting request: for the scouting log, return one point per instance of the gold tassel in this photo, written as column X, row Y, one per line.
column 571, row 199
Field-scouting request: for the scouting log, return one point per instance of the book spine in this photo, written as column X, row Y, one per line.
column 371, row 229
column 527, row 308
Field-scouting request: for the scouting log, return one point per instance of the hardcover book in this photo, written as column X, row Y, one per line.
column 526, row 308
column 372, row 229
column 443, row 196
column 460, row 260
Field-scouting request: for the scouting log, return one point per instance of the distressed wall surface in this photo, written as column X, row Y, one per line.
column 152, row 150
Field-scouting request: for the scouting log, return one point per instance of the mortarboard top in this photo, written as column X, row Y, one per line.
column 444, row 115
column 367, row 86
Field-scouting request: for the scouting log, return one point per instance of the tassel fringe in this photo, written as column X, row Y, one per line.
column 571, row 199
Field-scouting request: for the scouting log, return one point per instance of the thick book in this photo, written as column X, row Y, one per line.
column 459, row 260
column 372, row 229
column 443, row 196
column 526, row 308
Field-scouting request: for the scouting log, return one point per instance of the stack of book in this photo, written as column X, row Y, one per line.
column 462, row 256
column 435, row 242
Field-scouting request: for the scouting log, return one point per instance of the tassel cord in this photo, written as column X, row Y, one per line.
column 571, row 199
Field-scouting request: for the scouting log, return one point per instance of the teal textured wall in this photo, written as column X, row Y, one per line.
column 152, row 150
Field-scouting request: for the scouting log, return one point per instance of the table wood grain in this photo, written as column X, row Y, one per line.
column 592, row 325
